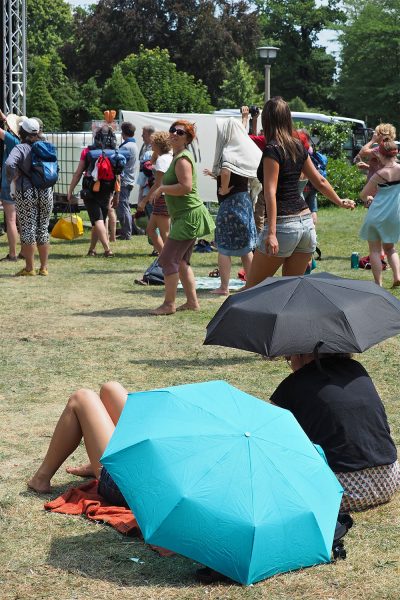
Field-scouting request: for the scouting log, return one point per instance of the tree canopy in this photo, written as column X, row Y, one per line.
column 302, row 67
column 192, row 55
column 370, row 62
column 165, row 88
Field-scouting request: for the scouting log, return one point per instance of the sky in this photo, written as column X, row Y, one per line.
column 326, row 38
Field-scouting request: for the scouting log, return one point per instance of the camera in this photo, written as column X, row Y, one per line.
column 254, row 111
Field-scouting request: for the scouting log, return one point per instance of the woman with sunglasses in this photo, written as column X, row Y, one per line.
column 189, row 220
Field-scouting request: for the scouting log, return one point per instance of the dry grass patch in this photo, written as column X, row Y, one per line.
column 87, row 323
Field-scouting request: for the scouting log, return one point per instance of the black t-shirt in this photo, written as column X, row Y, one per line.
column 238, row 183
column 288, row 198
column 340, row 410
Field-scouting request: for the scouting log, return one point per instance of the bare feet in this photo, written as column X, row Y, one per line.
column 164, row 309
column 81, row 470
column 39, row 484
column 220, row 292
column 188, row 306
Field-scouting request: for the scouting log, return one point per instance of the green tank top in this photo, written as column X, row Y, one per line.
column 189, row 217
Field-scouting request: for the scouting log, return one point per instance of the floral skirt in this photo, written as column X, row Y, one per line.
column 236, row 233
column 369, row 487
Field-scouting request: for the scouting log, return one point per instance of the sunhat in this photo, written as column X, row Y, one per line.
column 13, row 122
column 30, row 126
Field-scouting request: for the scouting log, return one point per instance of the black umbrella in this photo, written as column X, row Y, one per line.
column 295, row 315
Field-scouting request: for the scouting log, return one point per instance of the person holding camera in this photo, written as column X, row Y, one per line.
column 259, row 140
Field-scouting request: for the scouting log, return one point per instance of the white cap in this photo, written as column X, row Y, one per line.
column 30, row 126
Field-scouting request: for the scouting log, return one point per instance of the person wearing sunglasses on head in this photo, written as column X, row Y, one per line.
column 189, row 220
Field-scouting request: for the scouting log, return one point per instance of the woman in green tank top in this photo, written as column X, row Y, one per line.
column 189, row 220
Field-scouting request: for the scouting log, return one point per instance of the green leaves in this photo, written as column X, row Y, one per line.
column 239, row 88
column 370, row 62
column 165, row 88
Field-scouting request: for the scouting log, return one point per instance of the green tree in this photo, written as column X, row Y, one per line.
column 239, row 87
column 368, row 86
column 49, row 25
column 140, row 100
column 165, row 88
column 40, row 103
column 298, row 105
column 117, row 93
column 302, row 68
column 203, row 37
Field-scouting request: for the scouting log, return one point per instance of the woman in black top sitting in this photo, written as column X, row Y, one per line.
column 337, row 405
column 288, row 238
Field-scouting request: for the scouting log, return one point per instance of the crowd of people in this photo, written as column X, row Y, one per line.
column 325, row 395
column 266, row 186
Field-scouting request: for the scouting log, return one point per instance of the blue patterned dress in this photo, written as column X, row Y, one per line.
column 235, row 233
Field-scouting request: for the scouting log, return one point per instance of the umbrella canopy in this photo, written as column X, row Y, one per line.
column 291, row 315
column 224, row 478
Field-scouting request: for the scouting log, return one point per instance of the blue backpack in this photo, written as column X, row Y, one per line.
column 319, row 161
column 118, row 158
column 44, row 170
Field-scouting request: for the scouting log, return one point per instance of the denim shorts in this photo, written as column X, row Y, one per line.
column 295, row 233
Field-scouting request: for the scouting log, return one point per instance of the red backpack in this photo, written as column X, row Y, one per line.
column 104, row 169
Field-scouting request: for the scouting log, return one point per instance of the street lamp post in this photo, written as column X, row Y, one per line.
column 268, row 53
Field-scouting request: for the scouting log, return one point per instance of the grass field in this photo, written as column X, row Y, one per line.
column 87, row 323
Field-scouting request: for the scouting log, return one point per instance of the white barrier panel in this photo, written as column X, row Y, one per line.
column 70, row 145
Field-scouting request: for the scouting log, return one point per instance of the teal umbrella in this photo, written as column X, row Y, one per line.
column 224, row 478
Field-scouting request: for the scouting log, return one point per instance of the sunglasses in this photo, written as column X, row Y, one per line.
column 173, row 129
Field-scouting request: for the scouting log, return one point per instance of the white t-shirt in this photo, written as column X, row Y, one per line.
column 163, row 162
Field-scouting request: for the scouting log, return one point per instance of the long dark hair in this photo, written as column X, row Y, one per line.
column 277, row 125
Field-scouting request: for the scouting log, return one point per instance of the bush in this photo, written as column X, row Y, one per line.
column 346, row 180
column 332, row 137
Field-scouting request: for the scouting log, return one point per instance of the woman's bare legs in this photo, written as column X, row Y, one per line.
column 375, row 253
column 84, row 416
column 262, row 266
column 296, row 264
column 112, row 224
column 224, row 266
column 189, row 285
column 162, row 224
column 113, row 395
column 393, row 260
column 43, row 250
column 101, row 234
column 247, row 259
column 12, row 232
column 168, row 307
column 28, row 251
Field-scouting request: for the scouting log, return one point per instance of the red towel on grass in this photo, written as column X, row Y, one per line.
column 84, row 500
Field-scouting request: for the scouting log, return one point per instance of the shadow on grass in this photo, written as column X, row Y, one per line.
column 108, row 272
column 103, row 556
column 199, row 362
column 113, row 313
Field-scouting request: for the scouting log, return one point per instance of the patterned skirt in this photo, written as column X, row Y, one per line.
column 160, row 207
column 369, row 487
column 236, row 233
